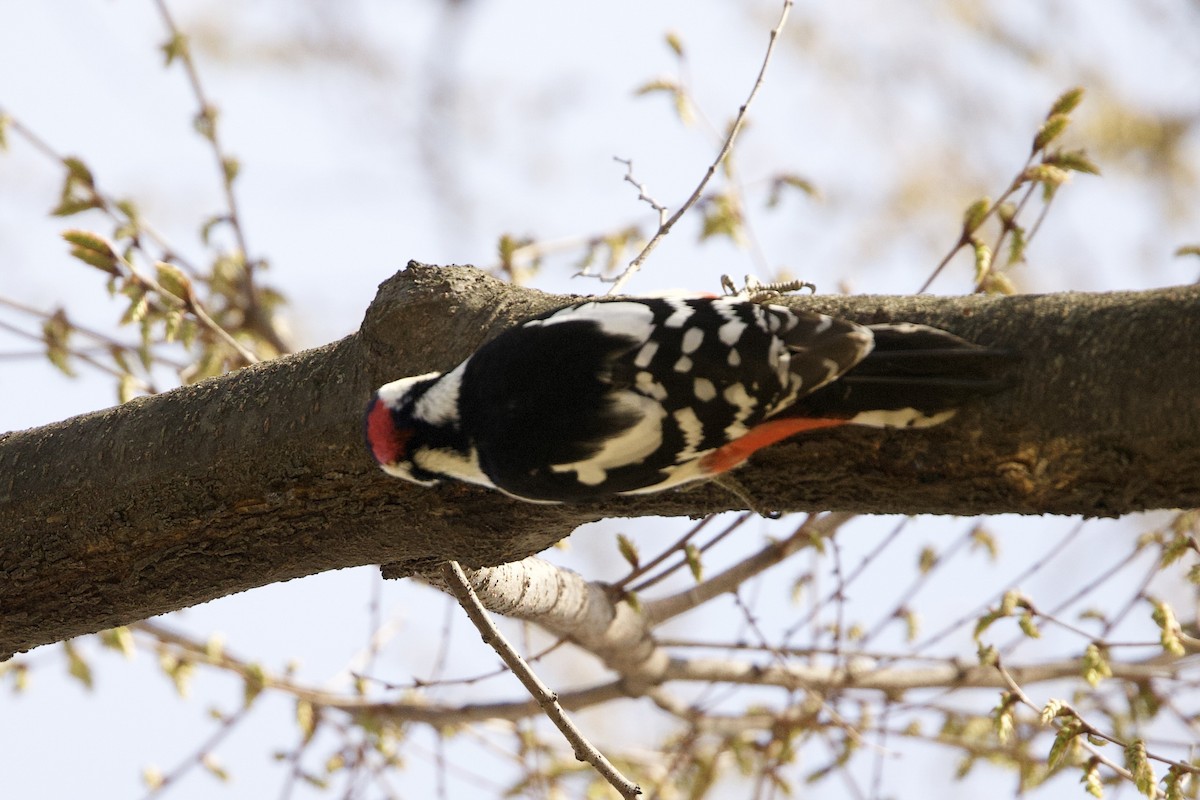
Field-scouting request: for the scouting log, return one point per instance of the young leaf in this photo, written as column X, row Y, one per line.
column 78, row 172
column 1046, row 174
column 1137, row 763
column 1067, row 101
column 152, row 776
column 634, row 601
column 1008, row 604
column 127, row 387
column 692, row 554
column 1073, row 161
column 171, row 278
column 1062, row 745
column 231, row 167
column 1175, row 783
column 628, row 550
column 1051, row 129
column 56, row 330
column 927, row 560
column 120, row 638
column 1051, row 710
column 1095, row 665
column 722, row 217
column 255, row 680
column 789, row 180
column 214, row 647
column 306, row 719
column 69, row 206
column 1016, row 244
column 138, row 306
column 1174, row 549
column 675, row 42
column 94, row 250
column 76, row 667
column 981, row 538
column 1164, row 617
column 975, row 214
column 985, row 622
column 214, row 767
column 657, row 85
column 175, row 47
column 205, row 122
column 207, row 228
column 912, row 624
column 983, row 261
column 1003, row 717
column 1091, row 778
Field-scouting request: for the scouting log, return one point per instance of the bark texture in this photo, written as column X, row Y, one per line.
column 261, row 475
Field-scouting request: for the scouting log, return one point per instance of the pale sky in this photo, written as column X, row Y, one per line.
column 370, row 133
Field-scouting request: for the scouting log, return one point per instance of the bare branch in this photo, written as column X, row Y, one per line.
column 567, row 605
column 726, row 147
column 643, row 192
column 1012, row 682
column 814, row 529
column 210, row 130
column 458, row 584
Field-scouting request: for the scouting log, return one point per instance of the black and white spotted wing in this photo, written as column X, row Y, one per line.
column 624, row 396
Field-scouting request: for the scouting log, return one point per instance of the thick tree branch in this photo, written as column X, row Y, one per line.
column 260, row 476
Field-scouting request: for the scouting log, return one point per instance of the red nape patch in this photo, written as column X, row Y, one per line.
column 387, row 444
column 736, row 452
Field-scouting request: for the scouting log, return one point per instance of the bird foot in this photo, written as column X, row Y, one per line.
column 755, row 291
column 735, row 488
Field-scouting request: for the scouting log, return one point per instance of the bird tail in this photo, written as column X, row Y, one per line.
column 916, row 376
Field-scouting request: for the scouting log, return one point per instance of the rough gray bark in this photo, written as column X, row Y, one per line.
column 261, row 476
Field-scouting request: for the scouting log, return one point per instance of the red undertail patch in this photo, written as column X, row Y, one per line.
column 736, row 452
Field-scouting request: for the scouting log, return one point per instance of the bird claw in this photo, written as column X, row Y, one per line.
column 755, row 291
column 735, row 488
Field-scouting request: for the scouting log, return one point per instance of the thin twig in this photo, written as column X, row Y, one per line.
column 814, row 528
column 227, row 170
column 78, row 354
column 105, row 341
column 734, row 130
column 642, row 569
column 107, row 203
column 965, row 237
column 681, row 547
column 1088, row 729
column 643, row 193
column 192, row 305
column 456, row 581
column 202, row 755
column 209, row 110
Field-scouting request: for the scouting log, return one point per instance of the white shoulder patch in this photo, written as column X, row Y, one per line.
column 392, row 394
column 439, row 405
column 630, row 320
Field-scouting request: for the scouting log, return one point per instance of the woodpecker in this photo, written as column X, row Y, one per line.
column 639, row 395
